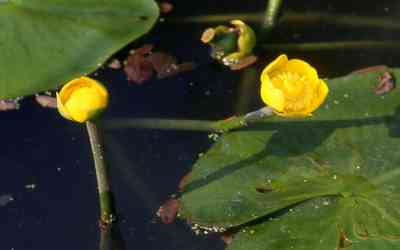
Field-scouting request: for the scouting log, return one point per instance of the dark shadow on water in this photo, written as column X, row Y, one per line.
column 287, row 137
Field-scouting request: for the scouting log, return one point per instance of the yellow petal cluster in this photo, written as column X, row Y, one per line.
column 292, row 87
column 82, row 99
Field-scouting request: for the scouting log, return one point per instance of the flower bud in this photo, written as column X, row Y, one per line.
column 231, row 45
column 82, row 99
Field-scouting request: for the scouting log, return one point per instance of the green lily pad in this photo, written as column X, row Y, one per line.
column 45, row 43
column 346, row 152
column 351, row 223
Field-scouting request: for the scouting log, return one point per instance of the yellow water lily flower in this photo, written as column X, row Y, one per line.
column 292, row 87
column 82, row 99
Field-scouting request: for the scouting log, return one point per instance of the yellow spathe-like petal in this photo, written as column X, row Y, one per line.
column 82, row 99
column 293, row 114
column 272, row 96
column 61, row 108
column 278, row 63
column 83, row 103
column 320, row 96
column 81, row 82
column 302, row 68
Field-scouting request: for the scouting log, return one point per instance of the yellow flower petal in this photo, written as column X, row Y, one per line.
column 271, row 95
column 320, row 96
column 301, row 68
column 278, row 63
column 82, row 99
column 292, row 87
column 61, row 109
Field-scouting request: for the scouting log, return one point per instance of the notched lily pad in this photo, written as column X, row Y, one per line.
column 45, row 43
column 338, row 171
column 350, row 223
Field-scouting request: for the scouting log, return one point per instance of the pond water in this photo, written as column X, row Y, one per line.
column 48, row 197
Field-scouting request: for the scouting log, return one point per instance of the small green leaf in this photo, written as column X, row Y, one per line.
column 45, row 43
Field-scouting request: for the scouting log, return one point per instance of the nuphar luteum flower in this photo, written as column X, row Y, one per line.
column 82, row 99
column 292, row 87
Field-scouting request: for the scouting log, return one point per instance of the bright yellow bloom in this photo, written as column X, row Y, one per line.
column 82, row 99
column 292, row 87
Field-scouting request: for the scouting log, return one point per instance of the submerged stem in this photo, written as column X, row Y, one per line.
column 317, row 46
column 298, row 18
column 107, row 216
column 271, row 14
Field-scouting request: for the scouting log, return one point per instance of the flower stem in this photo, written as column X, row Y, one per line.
column 298, row 18
column 107, row 216
column 164, row 124
column 247, row 87
column 271, row 14
column 220, row 126
column 317, row 46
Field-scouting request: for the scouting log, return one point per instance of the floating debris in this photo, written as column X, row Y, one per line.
column 142, row 62
column 202, row 229
column 9, row 104
column 30, row 186
column 115, row 64
column 5, row 199
column 168, row 211
column 386, row 84
column 227, row 238
column 136, row 67
column 165, row 65
column 46, row 101
column 165, row 7
column 213, row 136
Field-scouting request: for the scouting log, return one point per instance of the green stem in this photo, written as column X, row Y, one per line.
column 105, row 239
column 297, row 18
column 271, row 14
column 164, row 124
column 174, row 124
column 247, row 87
column 345, row 20
column 107, row 216
column 220, row 126
column 317, row 46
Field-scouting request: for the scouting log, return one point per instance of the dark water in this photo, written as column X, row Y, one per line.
column 46, row 163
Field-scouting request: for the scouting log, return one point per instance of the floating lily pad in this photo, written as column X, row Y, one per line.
column 45, row 43
column 345, row 155
column 353, row 223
